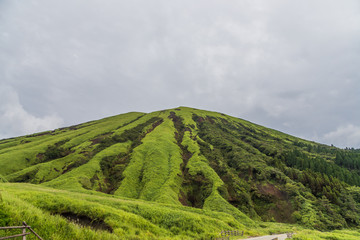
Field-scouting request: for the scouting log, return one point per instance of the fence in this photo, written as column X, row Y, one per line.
column 24, row 227
column 289, row 235
column 232, row 233
column 225, row 235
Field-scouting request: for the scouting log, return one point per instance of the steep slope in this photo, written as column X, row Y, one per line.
column 195, row 158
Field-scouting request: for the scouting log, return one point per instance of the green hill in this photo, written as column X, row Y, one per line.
column 178, row 173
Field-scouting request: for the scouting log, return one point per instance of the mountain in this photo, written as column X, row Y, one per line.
column 194, row 158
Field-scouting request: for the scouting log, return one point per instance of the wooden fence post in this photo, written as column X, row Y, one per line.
column 24, row 228
column 24, row 231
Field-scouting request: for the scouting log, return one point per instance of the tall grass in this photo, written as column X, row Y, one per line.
column 130, row 219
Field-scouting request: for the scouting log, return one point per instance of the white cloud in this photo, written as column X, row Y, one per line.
column 15, row 120
column 344, row 136
column 288, row 65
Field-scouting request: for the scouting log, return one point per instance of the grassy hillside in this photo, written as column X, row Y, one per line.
column 60, row 214
column 181, row 172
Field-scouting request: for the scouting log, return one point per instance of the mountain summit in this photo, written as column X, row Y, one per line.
column 195, row 158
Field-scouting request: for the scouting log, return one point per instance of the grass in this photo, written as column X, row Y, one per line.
column 22, row 152
column 129, row 218
column 152, row 173
column 41, row 207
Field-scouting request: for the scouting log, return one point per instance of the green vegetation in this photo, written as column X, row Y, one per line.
column 4, row 216
column 177, row 174
column 121, row 218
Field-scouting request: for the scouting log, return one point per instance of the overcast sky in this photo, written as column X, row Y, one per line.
column 289, row 65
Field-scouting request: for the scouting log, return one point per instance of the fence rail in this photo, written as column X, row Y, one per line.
column 232, row 233
column 225, row 235
column 24, row 227
column 290, row 235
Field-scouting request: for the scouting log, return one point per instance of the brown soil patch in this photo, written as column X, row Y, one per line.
column 183, row 199
column 200, row 120
column 210, row 119
column 99, row 138
column 154, row 125
column 271, row 190
column 83, row 220
column 40, row 156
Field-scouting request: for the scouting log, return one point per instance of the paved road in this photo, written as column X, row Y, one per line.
column 270, row 237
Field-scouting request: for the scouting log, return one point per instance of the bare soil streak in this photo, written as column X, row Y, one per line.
column 96, row 224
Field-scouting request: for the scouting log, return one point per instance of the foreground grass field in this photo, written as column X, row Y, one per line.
column 60, row 214
column 112, row 217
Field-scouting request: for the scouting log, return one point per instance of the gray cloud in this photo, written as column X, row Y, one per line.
column 15, row 120
column 292, row 66
column 347, row 135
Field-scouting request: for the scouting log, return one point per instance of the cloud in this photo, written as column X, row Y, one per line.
column 344, row 136
column 292, row 66
column 15, row 121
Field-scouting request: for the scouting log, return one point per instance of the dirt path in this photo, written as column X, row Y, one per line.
column 269, row 237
